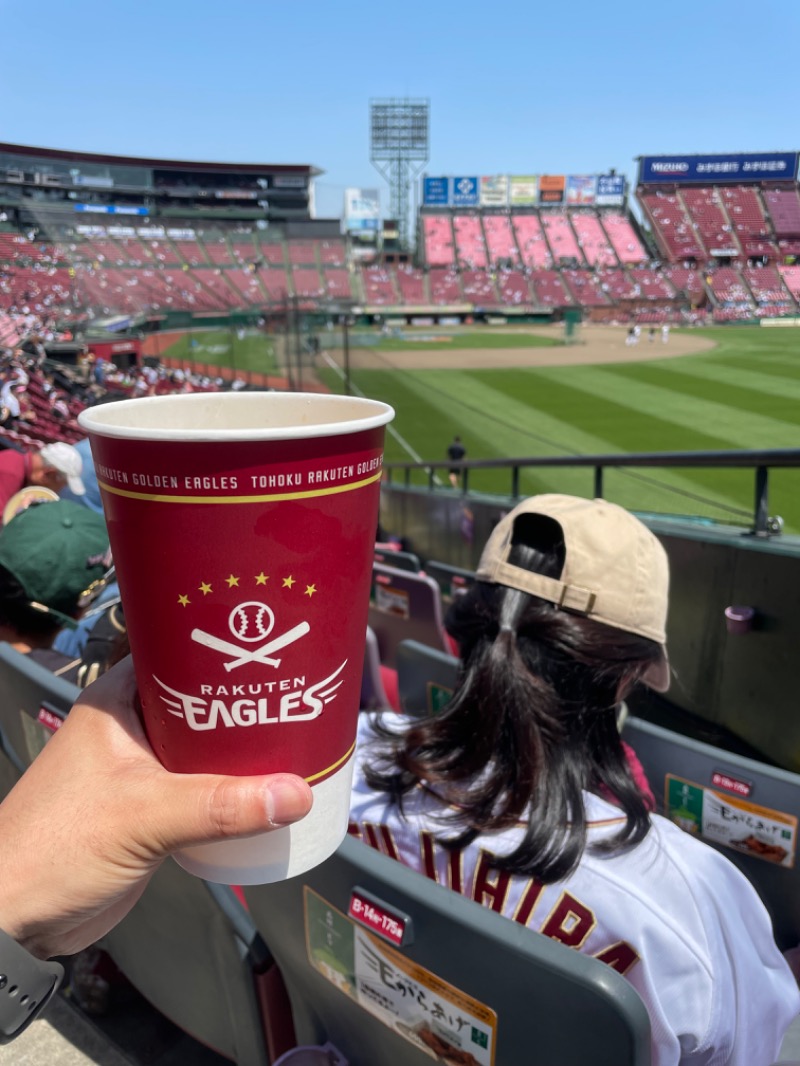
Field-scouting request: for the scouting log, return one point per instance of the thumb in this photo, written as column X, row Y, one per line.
column 203, row 808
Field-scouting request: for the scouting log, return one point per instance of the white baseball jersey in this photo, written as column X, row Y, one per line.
column 682, row 924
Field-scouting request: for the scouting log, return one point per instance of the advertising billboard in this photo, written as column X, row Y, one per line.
column 581, row 189
column 551, row 188
column 435, row 192
column 464, row 192
column 112, row 209
column 523, row 189
column 713, row 169
column 610, row 190
column 362, row 211
column 494, row 191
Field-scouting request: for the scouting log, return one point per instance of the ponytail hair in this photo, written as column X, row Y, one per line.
column 532, row 722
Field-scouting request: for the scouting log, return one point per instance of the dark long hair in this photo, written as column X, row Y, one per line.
column 531, row 724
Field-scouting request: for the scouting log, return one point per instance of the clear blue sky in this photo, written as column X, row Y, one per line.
column 516, row 87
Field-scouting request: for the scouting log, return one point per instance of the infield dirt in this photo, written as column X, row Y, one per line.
column 598, row 344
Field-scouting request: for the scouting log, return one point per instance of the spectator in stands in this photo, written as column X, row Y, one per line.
column 56, row 466
column 519, row 795
column 54, row 558
column 455, row 452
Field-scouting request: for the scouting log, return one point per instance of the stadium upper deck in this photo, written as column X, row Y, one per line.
column 83, row 233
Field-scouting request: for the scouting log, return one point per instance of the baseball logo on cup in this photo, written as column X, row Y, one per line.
column 251, row 621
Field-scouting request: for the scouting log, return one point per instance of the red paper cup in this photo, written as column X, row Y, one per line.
column 242, row 527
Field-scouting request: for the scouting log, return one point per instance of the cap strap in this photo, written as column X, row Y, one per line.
column 571, row 597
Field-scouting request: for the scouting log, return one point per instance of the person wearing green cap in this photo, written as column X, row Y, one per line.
column 54, row 558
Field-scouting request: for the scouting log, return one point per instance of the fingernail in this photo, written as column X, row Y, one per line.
column 288, row 799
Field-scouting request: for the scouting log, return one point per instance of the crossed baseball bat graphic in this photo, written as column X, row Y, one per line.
column 257, row 655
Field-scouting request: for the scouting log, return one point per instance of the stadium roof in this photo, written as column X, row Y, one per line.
column 169, row 164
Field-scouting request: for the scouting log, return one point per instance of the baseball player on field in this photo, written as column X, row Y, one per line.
column 524, row 775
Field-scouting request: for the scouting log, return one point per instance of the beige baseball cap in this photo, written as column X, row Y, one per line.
column 615, row 569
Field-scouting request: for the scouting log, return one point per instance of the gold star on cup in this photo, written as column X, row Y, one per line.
column 310, row 590
column 262, row 578
column 204, row 587
column 288, row 582
column 232, row 581
column 184, row 601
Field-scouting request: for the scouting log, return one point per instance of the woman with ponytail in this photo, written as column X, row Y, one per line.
column 520, row 794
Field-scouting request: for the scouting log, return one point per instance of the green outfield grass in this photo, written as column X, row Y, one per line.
column 225, row 347
column 745, row 393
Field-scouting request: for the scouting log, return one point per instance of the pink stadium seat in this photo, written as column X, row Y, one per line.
column 550, row 289
column 686, row 281
column 307, row 282
column 445, row 288
column 218, row 253
column 653, row 285
column 532, row 242
column 378, row 285
column 623, row 238
column 500, row 239
column 586, row 288
column 301, row 252
column 766, row 285
column 592, row 240
column 246, row 284
column 791, row 279
column 439, row 247
column 618, row 285
column 332, row 253
column 712, row 224
column 784, row 210
column 672, row 226
column 478, row 287
column 337, row 283
column 560, row 237
column 513, row 287
column 411, row 283
column 745, row 210
column 470, row 244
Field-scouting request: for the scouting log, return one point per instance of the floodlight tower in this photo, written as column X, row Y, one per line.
column 399, row 149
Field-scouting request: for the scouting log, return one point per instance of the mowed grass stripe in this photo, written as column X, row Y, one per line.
column 731, row 427
column 776, row 404
column 496, row 421
column 752, row 380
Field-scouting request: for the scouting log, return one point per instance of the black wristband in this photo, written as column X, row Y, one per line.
column 26, row 986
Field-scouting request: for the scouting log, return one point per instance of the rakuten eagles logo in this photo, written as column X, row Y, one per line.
column 249, row 641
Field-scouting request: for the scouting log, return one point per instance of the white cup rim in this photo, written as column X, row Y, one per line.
column 357, row 414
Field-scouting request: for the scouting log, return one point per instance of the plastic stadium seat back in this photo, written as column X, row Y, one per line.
column 426, row 678
column 404, row 606
column 373, row 694
column 399, row 560
column 683, row 771
column 191, row 950
column 34, row 702
column 554, row 1006
column 452, row 580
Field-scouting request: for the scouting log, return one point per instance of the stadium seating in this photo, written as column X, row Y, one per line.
column 378, row 286
column 652, row 285
column 404, row 606
column 784, row 211
column 337, row 283
column 478, row 287
column 445, row 287
column 470, row 243
column 438, row 240
column 513, row 288
column 536, row 987
column 768, row 289
column 686, row 281
column 586, row 288
column 672, row 226
column 791, row 279
column 500, row 241
column 707, row 211
column 745, row 210
column 532, row 242
column 411, row 284
column 623, row 238
column 592, row 239
column 618, row 284
column 550, row 289
column 560, row 237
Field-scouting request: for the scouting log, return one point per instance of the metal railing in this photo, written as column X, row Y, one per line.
column 761, row 462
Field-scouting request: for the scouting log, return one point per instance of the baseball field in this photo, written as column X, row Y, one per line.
column 514, row 394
